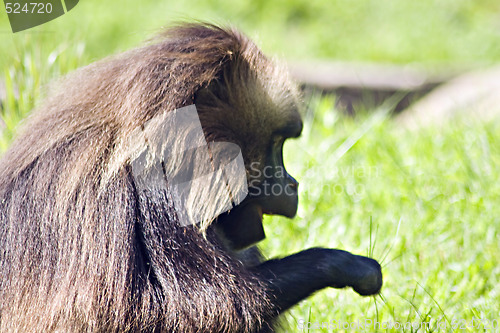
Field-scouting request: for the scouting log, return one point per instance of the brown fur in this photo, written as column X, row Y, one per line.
column 76, row 254
column 82, row 250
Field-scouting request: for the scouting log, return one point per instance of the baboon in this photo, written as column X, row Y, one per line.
column 84, row 248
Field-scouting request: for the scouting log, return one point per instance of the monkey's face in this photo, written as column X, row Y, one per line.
column 257, row 117
column 271, row 190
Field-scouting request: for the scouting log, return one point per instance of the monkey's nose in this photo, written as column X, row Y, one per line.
column 293, row 183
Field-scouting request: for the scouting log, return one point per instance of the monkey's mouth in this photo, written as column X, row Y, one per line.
column 242, row 226
column 263, row 211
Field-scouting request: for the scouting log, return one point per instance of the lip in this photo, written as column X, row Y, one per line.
column 253, row 205
column 260, row 211
column 267, row 212
column 256, row 202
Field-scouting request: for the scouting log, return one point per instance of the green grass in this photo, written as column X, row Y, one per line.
column 429, row 31
column 423, row 202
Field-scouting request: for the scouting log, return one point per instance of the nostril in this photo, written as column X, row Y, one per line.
column 292, row 183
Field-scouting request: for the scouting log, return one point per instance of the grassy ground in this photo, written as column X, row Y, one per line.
column 384, row 30
column 422, row 202
column 430, row 32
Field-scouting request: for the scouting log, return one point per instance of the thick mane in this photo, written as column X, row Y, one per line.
column 125, row 208
column 83, row 252
column 125, row 91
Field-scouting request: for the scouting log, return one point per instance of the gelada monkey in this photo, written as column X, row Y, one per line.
column 109, row 222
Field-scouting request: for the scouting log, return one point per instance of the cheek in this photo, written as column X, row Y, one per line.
column 255, row 172
column 254, row 159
